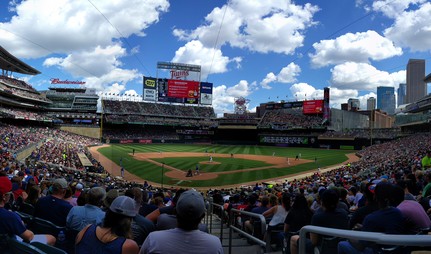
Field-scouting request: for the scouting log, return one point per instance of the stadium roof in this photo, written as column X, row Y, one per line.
column 10, row 63
column 427, row 79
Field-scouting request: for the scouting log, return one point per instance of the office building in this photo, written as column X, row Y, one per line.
column 353, row 104
column 371, row 103
column 386, row 99
column 416, row 86
column 401, row 94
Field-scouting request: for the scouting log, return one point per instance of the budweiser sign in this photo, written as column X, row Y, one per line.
column 68, row 82
column 176, row 74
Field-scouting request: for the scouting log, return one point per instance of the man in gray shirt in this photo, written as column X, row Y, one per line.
column 186, row 237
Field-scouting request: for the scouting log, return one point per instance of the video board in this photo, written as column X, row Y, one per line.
column 312, row 107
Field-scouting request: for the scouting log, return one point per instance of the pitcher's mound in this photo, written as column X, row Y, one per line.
column 209, row 163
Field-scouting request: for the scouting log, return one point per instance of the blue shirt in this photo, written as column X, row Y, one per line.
column 11, row 223
column 52, row 209
column 81, row 216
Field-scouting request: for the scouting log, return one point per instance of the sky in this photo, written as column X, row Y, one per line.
column 263, row 51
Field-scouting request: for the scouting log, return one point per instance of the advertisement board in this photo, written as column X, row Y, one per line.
column 149, row 91
column 312, row 107
column 183, row 89
column 206, row 93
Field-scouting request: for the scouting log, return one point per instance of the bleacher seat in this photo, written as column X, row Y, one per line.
column 18, row 247
column 47, row 248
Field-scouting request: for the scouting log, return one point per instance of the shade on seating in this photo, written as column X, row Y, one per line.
column 18, row 247
column 41, row 226
column 47, row 248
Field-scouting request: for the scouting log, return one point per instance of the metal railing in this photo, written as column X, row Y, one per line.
column 232, row 227
column 379, row 238
column 211, row 208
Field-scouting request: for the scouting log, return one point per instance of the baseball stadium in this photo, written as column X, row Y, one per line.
column 169, row 138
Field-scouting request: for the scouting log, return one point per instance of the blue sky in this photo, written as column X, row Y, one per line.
column 261, row 50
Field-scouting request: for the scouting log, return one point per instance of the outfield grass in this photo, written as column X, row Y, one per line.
column 151, row 172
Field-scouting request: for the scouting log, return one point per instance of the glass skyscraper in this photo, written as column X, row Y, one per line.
column 386, row 99
column 401, row 94
column 416, row 86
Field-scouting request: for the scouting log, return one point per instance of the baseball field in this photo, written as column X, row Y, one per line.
column 218, row 165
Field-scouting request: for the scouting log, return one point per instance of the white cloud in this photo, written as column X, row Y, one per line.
column 116, row 75
column 270, row 77
column 75, row 25
column 302, row 91
column 358, row 47
column 261, row 26
column 393, row 9
column 363, row 100
column 339, row 96
column 194, row 52
column 94, row 62
column 224, row 97
column 412, row 29
column 363, row 77
column 287, row 74
column 77, row 38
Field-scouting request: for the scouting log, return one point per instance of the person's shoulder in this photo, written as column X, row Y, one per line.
column 130, row 246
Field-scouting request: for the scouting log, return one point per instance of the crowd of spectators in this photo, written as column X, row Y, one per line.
column 20, row 88
column 285, row 119
column 24, row 114
column 384, row 133
column 156, row 109
column 402, row 164
column 157, row 120
column 142, row 133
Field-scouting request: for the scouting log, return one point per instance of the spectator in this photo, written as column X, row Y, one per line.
column 370, row 206
column 90, row 213
column 426, row 160
column 146, row 207
column 141, row 226
column 112, row 236
column 186, row 238
column 416, row 219
column 330, row 217
column 11, row 224
column 53, row 207
column 110, row 197
column 278, row 213
column 387, row 219
column 427, row 189
column 167, row 209
column 248, row 224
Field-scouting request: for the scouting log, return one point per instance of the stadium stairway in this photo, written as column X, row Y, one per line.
column 240, row 245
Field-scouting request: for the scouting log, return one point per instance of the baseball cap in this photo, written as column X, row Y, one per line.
column 61, row 183
column 5, row 185
column 190, row 204
column 124, row 205
column 79, row 186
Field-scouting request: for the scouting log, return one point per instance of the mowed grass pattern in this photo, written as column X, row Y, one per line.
column 119, row 154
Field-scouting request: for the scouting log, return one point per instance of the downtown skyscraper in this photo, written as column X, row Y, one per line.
column 416, row 86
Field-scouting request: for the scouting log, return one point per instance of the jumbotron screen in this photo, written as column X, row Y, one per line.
column 312, row 107
column 183, row 89
column 177, row 91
